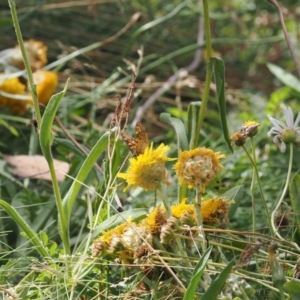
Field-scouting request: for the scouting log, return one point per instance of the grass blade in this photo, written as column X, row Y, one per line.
column 198, row 271
column 219, row 71
column 218, row 283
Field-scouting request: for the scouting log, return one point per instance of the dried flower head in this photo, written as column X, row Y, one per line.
column 198, row 167
column 238, row 138
column 168, row 230
column 250, row 128
column 36, row 53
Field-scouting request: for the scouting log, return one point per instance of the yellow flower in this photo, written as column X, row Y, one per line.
column 198, row 167
column 155, row 220
column 46, row 82
column 182, row 208
column 147, row 170
column 108, row 236
column 215, row 210
column 15, row 87
column 11, row 86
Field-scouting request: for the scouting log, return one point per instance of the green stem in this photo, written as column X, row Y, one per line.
column 252, row 187
column 260, row 190
column 208, row 74
column 207, row 29
column 13, row 10
column 197, row 207
column 161, row 193
column 275, row 230
column 63, row 217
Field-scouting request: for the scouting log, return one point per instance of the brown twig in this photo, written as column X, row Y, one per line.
column 287, row 38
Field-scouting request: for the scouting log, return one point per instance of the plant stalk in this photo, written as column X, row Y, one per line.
column 209, row 74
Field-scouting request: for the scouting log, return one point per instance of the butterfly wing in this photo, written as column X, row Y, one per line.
column 130, row 141
column 141, row 138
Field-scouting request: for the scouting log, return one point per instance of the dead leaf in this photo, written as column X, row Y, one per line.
column 35, row 167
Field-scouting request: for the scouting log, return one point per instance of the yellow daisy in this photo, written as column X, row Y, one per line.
column 198, row 167
column 147, row 170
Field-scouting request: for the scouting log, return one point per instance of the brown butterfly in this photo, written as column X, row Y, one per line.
column 139, row 143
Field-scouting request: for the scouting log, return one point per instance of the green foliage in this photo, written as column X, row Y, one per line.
column 197, row 273
column 71, row 239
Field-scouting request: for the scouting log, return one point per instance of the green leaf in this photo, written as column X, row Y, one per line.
column 285, row 77
column 85, row 169
column 32, row 236
column 294, row 191
column 69, row 145
column 193, row 113
column 219, row 71
column 46, row 137
column 12, row 129
column 52, row 248
column 179, row 129
column 293, row 289
column 5, row 21
column 44, row 237
column 218, row 283
column 236, row 194
column 198, row 271
column 24, row 285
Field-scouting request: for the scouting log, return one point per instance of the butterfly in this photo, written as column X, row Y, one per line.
column 139, row 143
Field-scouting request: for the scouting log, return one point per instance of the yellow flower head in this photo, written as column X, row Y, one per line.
column 126, row 236
column 20, row 99
column 46, row 82
column 14, row 87
column 198, row 167
column 155, row 220
column 115, row 233
column 148, row 169
column 215, row 210
column 182, row 208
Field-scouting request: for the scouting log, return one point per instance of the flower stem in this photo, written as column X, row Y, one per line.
column 252, row 187
column 197, row 207
column 260, row 189
column 208, row 77
column 14, row 16
column 162, row 194
column 275, row 230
